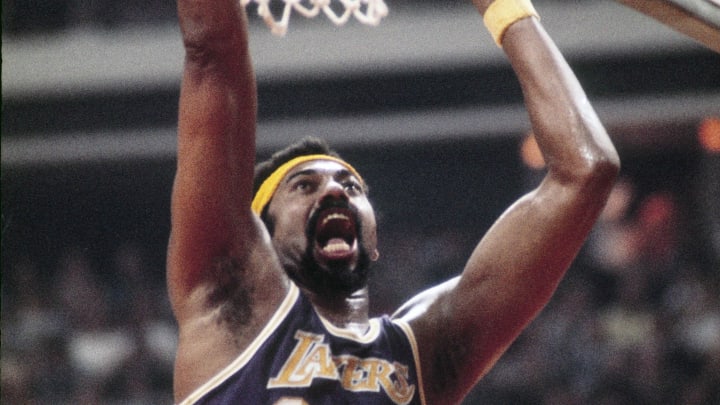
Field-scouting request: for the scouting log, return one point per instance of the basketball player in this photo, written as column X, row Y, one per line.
column 269, row 286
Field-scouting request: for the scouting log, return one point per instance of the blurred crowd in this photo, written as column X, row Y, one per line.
column 81, row 334
column 636, row 321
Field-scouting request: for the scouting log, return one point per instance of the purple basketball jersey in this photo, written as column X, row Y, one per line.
column 300, row 358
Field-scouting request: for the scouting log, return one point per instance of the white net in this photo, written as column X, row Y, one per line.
column 366, row 11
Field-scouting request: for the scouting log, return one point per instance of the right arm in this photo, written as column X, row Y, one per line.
column 218, row 249
column 216, row 142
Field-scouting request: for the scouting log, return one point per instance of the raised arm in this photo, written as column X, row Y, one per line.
column 218, row 250
column 216, row 144
column 464, row 326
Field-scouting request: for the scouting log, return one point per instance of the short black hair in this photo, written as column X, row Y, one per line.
column 306, row 146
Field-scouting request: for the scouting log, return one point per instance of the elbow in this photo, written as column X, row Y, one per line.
column 204, row 47
column 599, row 170
column 612, row 165
column 212, row 34
column 594, row 167
column 606, row 162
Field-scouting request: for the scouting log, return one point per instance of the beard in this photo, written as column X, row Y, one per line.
column 334, row 278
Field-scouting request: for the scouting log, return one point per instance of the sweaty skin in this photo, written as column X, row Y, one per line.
column 227, row 275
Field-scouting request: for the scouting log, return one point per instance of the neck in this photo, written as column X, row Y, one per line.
column 347, row 312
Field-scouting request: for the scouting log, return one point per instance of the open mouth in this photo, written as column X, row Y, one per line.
column 336, row 234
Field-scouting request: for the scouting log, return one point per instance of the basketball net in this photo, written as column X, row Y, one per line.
column 368, row 12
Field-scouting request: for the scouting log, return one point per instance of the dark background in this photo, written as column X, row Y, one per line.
column 85, row 317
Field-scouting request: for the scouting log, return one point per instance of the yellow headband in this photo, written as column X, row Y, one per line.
column 269, row 186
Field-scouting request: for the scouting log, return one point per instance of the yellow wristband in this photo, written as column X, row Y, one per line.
column 503, row 13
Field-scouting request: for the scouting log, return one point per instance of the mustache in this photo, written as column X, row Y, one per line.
column 337, row 281
column 328, row 204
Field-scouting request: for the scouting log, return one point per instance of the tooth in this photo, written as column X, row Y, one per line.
column 336, row 246
column 334, row 216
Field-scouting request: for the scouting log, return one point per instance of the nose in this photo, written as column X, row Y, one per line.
column 334, row 191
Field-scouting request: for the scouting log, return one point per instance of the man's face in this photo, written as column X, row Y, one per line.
column 324, row 228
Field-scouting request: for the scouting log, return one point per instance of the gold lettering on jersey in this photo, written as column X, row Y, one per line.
column 311, row 358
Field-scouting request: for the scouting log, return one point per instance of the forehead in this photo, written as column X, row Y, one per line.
column 323, row 167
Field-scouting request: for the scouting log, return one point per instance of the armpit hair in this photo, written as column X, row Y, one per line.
column 231, row 294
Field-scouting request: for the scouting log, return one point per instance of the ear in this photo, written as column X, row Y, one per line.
column 375, row 255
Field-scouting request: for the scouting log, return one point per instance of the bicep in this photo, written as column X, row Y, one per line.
column 516, row 267
column 509, row 277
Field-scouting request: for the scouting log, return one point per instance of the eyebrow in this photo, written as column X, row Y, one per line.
column 306, row 172
column 344, row 173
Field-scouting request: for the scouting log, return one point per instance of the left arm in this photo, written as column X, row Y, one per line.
column 464, row 326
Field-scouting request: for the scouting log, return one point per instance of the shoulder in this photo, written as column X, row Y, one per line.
column 208, row 345
column 418, row 305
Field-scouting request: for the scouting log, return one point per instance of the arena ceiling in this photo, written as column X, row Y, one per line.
column 422, row 74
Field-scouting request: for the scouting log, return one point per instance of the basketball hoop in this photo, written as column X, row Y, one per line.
column 368, row 12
